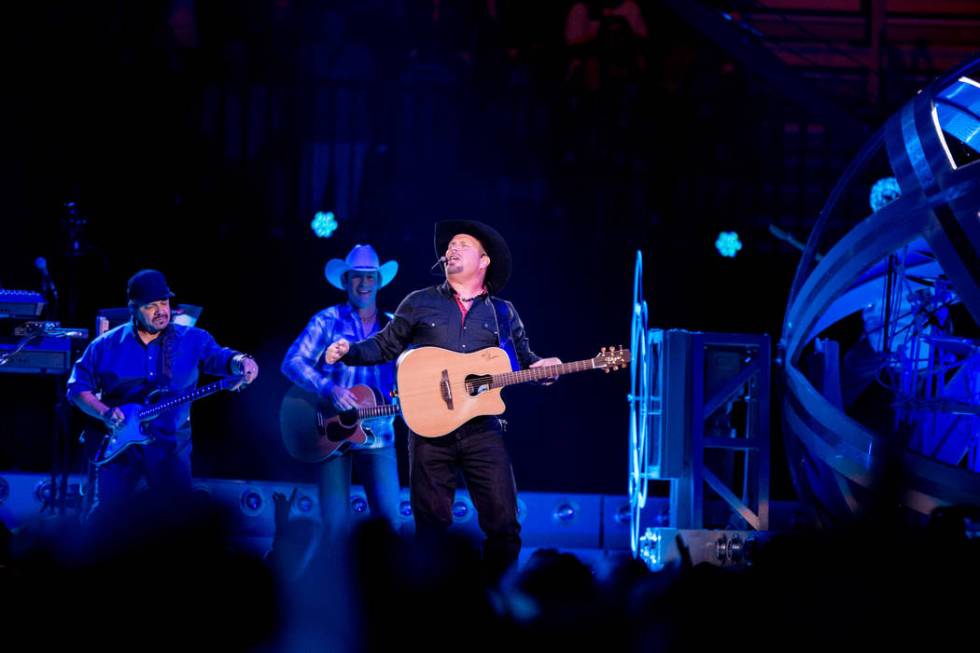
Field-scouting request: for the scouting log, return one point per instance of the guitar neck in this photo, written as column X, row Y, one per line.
column 538, row 373
column 183, row 398
column 378, row 411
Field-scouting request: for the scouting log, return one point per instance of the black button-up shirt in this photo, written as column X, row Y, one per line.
column 431, row 317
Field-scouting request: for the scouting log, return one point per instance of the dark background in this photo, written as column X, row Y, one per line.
column 193, row 136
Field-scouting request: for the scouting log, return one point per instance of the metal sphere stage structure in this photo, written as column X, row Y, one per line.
column 879, row 353
column 880, row 347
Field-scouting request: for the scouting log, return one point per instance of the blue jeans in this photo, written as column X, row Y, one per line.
column 477, row 450
column 164, row 465
column 378, row 470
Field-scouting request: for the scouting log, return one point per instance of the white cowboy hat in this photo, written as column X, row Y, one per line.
column 362, row 258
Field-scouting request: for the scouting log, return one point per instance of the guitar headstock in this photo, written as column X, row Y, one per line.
column 612, row 358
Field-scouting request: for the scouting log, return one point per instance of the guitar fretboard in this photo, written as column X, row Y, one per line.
column 378, row 411
column 538, row 373
column 192, row 395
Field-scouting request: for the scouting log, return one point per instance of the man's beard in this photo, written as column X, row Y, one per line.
column 149, row 327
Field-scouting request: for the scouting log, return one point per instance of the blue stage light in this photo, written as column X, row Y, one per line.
column 651, row 549
column 623, row 514
column 304, row 503
column 460, row 510
column 4, row 490
column 883, row 192
column 44, row 492
column 358, row 505
column 728, row 244
column 251, row 502
column 324, row 224
column 565, row 512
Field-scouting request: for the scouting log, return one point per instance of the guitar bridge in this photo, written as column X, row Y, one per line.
column 446, row 390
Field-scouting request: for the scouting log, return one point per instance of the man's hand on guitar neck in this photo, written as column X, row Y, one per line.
column 336, row 351
column 547, row 362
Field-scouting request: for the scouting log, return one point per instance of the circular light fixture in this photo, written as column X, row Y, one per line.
column 358, row 505
column 564, row 512
column 304, row 503
column 251, row 502
column 460, row 510
column 43, row 492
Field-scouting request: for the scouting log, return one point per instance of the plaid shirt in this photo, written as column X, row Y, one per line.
column 304, row 364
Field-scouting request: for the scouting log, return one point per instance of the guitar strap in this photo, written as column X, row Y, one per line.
column 504, row 338
column 168, row 354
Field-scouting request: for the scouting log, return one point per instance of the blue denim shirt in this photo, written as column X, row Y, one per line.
column 304, row 364
column 122, row 369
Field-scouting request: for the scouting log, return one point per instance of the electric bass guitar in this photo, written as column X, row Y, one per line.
column 314, row 431
column 440, row 390
column 134, row 429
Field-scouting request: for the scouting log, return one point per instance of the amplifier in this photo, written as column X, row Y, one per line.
column 40, row 356
column 22, row 304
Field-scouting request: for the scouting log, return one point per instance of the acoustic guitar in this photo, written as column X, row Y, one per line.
column 440, row 390
column 314, row 431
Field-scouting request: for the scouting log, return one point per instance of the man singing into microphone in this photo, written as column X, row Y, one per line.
column 460, row 315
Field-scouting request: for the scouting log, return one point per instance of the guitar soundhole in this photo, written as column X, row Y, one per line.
column 348, row 418
column 477, row 384
column 336, row 432
column 343, row 428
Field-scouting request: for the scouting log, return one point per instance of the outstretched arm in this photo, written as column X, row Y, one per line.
column 522, row 346
column 383, row 346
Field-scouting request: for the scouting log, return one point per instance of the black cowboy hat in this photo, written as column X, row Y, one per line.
column 493, row 243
